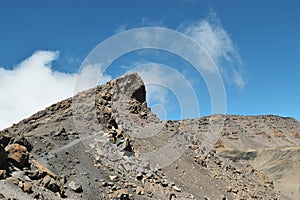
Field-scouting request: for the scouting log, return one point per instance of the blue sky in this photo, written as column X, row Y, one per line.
column 258, row 41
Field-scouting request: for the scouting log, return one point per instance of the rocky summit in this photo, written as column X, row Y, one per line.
column 105, row 143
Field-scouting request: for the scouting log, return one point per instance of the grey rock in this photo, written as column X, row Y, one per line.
column 75, row 187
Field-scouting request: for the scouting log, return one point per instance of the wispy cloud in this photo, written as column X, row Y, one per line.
column 33, row 84
column 121, row 28
column 211, row 35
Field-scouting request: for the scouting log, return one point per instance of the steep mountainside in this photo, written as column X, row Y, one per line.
column 105, row 143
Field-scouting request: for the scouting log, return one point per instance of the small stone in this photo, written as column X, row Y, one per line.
column 104, row 184
column 75, row 187
column 143, row 114
column 46, row 180
column 164, row 183
column 139, row 176
column 27, row 187
column 36, row 174
column 121, row 192
column 20, row 184
column 3, row 174
column 62, row 179
column 51, row 184
column 124, row 197
column 172, row 196
column 113, row 178
column 177, row 189
column 228, row 189
column 139, row 190
column 235, row 190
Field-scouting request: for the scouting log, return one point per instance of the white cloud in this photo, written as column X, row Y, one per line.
column 210, row 34
column 32, row 85
column 214, row 39
column 121, row 28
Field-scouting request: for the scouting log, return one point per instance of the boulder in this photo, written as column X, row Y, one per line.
column 51, row 184
column 17, row 155
column 75, row 187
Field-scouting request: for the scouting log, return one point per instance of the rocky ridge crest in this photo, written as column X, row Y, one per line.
column 91, row 146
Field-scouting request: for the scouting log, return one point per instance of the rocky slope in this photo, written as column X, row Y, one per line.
column 270, row 144
column 105, row 143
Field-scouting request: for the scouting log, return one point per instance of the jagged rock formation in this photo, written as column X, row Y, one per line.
column 105, row 143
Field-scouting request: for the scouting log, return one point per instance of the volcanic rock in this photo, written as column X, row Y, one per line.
column 105, row 143
column 75, row 187
column 17, row 155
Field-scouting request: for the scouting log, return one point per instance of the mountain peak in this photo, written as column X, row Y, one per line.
column 105, row 143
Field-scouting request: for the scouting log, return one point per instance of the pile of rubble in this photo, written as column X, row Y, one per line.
column 28, row 174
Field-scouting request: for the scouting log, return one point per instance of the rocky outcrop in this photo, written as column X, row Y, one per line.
column 17, row 155
column 93, row 146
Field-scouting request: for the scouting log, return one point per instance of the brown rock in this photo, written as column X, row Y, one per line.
column 121, row 192
column 51, row 184
column 27, row 187
column 229, row 189
column 46, row 180
column 219, row 144
column 3, row 174
column 43, row 168
column 17, row 154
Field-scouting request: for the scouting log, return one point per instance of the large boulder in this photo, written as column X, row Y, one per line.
column 17, row 155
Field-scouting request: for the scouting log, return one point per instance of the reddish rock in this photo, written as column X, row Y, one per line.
column 17, row 155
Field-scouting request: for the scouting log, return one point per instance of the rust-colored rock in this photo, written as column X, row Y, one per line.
column 17, row 155
column 27, row 187
column 43, row 168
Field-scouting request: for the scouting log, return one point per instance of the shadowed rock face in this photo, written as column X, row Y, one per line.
column 105, row 143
